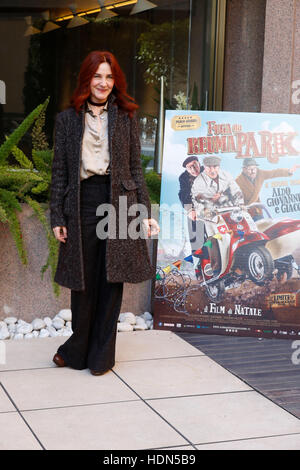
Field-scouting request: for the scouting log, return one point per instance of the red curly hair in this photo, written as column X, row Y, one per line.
column 87, row 70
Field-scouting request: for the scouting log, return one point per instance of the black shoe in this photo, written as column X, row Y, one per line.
column 58, row 360
column 95, row 372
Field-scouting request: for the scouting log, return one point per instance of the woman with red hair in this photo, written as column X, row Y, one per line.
column 96, row 163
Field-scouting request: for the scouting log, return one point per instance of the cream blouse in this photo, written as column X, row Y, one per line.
column 95, row 156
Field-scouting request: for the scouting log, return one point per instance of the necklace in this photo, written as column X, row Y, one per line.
column 96, row 104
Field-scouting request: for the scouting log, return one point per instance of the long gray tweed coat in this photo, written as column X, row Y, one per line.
column 127, row 260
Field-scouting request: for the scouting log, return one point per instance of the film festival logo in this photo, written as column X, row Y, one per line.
column 2, row 92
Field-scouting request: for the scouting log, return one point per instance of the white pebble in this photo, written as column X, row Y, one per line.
column 28, row 336
column 44, row 333
column 12, row 327
column 48, row 321
column 139, row 319
column 52, row 331
column 35, row 334
column 65, row 314
column 58, row 323
column 24, row 328
column 147, row 316
column 141, row 324
column 59, row 332
column 125, row 327
column 69, row 325
column 67, row 332
column 10, row 320
column 127, row 317
column 18, row 336
column 38, row 324
column 140, row 327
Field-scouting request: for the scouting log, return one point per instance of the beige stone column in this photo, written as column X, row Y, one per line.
column 244, row 47
column 281, row 64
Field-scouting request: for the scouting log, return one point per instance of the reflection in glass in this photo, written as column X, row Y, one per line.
column 171, row 40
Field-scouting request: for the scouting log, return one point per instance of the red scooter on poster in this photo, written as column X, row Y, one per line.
column 245, row 250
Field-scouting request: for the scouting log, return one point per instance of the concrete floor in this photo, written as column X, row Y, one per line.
column 163, row 393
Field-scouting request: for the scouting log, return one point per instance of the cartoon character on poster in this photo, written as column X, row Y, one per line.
column 228, row 250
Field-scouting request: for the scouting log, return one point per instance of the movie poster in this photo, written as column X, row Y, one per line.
column 229, row 247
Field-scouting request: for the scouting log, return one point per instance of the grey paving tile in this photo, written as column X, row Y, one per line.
column 15, row 435
column 31, row 353
column 232, row 416
column 179, row 376
column 270, row 443
column 131, row 425
column 5, row 403
column 152, row 344
column 43, row 388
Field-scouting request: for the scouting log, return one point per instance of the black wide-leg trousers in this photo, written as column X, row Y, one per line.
column 95, row 310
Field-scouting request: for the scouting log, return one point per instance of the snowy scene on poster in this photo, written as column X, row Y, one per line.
column 229, row 247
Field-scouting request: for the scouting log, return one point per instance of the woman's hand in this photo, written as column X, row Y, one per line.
column 293, row 169
column 151, row 226
column 60, row 233
column 192, row 214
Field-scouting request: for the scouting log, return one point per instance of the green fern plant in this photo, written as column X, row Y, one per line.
column 28, row 181
column 21, row 158
column 39, row 139
column 16, row 136
column 9, row 206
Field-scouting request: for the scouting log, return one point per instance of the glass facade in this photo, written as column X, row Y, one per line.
column 174, row 39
